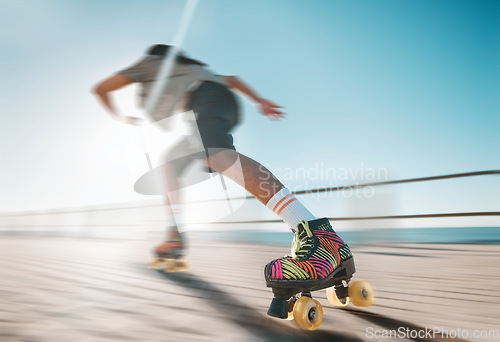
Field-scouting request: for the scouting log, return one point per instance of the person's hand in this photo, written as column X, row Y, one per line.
column 130, row 120
column 270, row 109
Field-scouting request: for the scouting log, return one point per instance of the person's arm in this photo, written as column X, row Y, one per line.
column 266, row 107
column 102, row 90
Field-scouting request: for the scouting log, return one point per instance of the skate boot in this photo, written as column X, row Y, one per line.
column 319, row 260
column 168, row 255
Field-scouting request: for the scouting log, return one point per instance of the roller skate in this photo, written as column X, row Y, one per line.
column 169, row 255
column 319, row 260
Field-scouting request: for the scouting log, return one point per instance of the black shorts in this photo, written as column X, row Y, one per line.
column 217, row 113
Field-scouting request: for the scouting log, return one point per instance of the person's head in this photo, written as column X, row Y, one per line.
column 162, row 50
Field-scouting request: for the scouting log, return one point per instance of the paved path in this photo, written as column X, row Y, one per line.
column 65, row 289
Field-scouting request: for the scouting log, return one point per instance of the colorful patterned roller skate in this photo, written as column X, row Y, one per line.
column 319, row 260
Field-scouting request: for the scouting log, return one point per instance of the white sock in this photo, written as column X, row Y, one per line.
column 288, row 207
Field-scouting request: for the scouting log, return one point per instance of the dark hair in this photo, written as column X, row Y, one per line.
column 162, row 50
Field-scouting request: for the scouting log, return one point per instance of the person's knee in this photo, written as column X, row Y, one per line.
column 222, row 160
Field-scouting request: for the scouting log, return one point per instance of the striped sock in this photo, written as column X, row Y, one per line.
column 288, row 207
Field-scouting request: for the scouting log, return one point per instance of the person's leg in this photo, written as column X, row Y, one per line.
column 249, row 174
column 317, row 251
column 176, row 159
column 172, row 199
column 175, row 242
column 318, row 254
column 262, row 184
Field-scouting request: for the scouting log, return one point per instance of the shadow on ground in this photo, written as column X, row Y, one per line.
column 393, row 324
column 264, row 328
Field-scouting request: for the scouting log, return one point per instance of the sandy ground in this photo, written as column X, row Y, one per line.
column 67, row 289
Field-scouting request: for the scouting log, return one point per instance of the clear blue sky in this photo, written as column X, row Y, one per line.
column 410, row 87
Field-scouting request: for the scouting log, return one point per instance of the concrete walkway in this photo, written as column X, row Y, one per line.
column 67, row 289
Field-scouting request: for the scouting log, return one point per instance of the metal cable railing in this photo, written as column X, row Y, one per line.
column 483, row 213
column 357, row 186
column 401, row 181
column 311, row 191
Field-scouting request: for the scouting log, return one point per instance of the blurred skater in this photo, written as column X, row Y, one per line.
column 317, row 251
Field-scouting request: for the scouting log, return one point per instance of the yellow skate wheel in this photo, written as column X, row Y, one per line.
column 156, row 263
column 333, row 299
column 182, row 265
column 170, row 266
column 361, row 293
column 307, row 313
